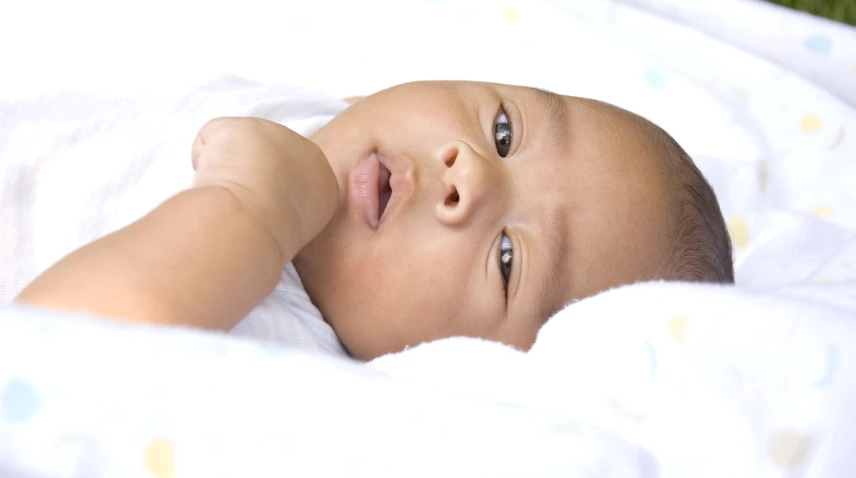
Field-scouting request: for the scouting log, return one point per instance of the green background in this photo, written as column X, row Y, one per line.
column 841, row 10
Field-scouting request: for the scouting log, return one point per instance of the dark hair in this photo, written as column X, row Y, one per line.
column 702, row 251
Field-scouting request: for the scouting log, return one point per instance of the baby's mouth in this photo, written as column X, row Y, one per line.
column 384, row 191
column 377, row 186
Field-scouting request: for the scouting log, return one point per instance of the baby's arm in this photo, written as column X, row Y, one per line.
column 208, row 255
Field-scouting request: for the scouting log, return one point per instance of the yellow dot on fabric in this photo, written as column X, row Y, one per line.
column 678, row 327
column 510, row 14
column 822, row 211
column 845, row 265
column 159, row 458
column 739, row 232
column 789, row 449
column 811, row 123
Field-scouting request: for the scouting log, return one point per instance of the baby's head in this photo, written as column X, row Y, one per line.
column 481, row 209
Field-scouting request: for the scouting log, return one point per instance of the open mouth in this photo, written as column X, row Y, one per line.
column 378, row 186
column 371, row 189
column 384, row 191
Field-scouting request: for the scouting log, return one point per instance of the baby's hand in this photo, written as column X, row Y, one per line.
column 282, row 178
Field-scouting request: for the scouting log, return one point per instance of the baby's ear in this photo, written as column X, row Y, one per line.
column 353, row 99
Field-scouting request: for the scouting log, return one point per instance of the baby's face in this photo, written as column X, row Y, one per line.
column 500, row 205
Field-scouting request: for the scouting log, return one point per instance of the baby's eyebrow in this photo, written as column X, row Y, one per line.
column 557, row 109
column 552, row 280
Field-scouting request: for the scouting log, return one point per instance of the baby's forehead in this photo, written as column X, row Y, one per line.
column 613, row 173
column 567, row 112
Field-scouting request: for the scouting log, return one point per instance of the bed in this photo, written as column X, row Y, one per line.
column 652, row 379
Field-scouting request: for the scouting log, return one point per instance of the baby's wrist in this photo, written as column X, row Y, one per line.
column 274, row 220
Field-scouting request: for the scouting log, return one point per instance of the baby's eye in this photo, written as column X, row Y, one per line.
column 506, row 255
column 502, row 134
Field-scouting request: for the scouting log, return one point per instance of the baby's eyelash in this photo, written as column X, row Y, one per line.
column 504, row 107
column 503, row 131
column 506, row 260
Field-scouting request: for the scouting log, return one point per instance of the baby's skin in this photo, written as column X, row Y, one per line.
column 208, row 255
column 424, row 211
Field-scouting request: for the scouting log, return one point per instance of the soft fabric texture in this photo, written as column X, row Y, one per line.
column 667, row 380
column 288, row 317
column 77, row 166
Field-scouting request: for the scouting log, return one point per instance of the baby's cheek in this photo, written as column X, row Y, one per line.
column 423, row 303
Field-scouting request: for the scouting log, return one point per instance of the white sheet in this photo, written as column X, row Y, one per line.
column 748, row 382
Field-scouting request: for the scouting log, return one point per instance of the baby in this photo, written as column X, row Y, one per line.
column 424, row 211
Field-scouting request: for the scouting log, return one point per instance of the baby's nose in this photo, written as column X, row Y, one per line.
column 469, row 184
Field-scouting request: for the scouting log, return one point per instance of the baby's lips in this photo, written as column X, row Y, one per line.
column 363, row 190
column 398, row 181
column 384, row 190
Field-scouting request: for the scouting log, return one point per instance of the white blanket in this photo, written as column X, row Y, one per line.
column 649, row 380
column 657, row 379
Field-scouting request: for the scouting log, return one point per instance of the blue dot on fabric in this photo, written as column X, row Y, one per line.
column 655, row 79
column 652, row 359
column 825, row 379
column 19, row 401
column 820, row 44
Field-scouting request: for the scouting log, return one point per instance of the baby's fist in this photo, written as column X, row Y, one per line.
column 282, row 178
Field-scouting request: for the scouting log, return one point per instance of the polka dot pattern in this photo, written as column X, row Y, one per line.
column 811, row 123
column 659, row 348
column 739, row 232
column 823, row 211
column 825, row 380
column 820, row 44
column 20, row 401
column 159, row 458
column 655, row 80
column 510, row 14
column 678, row 327
column 789, row 449
column 652, row 359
